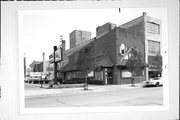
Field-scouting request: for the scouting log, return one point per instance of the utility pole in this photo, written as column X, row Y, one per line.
column 59, row 58
column 55, row 65
column 62, row 46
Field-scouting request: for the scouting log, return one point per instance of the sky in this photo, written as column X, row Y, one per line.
column 42, row 29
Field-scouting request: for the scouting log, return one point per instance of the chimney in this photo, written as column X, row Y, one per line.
column 63, row 46
column 144, row 13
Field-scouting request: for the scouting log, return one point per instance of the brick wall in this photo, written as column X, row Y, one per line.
column 129, row 39
column 106, row 45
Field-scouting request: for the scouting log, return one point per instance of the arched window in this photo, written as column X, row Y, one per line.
column 122, row 49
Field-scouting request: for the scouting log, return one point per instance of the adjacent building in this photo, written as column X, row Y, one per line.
column 151, row 29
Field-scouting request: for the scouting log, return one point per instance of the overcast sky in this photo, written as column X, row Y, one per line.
column 42, row 29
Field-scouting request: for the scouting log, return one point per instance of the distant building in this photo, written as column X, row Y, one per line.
column 78, row 36
column 37, row 66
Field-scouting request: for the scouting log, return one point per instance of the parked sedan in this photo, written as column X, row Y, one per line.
column 157, row 81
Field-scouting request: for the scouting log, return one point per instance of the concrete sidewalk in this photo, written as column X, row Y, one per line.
column 40, row 92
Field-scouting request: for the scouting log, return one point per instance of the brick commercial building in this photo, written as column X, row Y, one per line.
column 151, row 29
column 111, row 48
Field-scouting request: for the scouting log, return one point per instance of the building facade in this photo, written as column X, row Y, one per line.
column 111, row 48
column 107, row 51
column 151, row 29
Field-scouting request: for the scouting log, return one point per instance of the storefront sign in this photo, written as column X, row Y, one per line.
column 32, row 74
column 91, row 74
column 126, row 74
column 58, row 55
column 51, row 58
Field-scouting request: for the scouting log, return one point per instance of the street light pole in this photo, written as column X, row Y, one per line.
column 56, row 61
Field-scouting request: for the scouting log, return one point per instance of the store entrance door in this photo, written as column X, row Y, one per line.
column 108, row 76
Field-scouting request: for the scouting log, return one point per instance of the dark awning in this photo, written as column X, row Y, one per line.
column 123, row 63
column 155, row 68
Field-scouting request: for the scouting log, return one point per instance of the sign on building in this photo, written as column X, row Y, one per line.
column 91, row 74
column 126, row 74
column 35, row 74
column 51, row 58
column 57, row 56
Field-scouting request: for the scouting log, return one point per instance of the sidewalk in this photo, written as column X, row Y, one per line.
column 41, row 92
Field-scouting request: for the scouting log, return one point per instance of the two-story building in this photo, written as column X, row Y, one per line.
column 111, row 48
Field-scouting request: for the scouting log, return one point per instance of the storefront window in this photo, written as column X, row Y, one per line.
column 98, row 75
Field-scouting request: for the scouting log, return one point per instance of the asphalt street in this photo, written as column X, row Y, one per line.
column 113, row 95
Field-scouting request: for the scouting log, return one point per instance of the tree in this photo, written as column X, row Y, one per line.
column 135, row 64
column 85, row 61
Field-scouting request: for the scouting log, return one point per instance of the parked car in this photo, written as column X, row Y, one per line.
column 26, row 79
column 157, row 81
column 34, row 79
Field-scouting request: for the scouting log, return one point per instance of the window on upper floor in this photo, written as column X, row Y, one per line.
column 153, row 47
column 122, row 49
column 153, row 28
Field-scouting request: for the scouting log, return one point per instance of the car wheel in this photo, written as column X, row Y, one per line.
column 157, row 84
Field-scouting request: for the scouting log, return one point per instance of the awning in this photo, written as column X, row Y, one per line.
column 123, row 63
column 154, row 68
